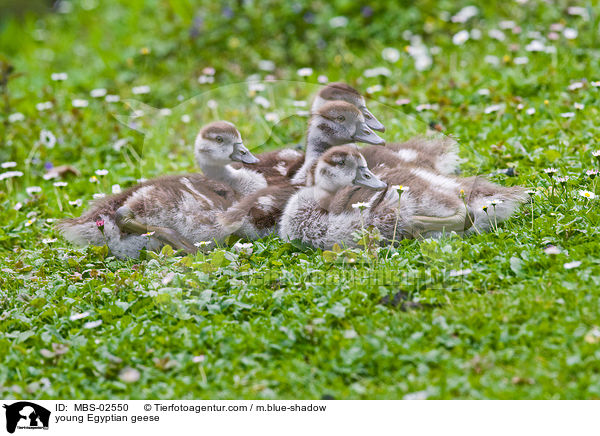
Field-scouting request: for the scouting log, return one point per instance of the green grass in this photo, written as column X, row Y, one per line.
column 488, row 316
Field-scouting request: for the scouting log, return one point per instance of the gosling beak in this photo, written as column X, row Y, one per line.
column 242, row 154
column 364, row 177
column 371, row 121
column 365, row 134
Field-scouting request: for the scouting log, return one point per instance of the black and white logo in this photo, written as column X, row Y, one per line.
column 26, row 415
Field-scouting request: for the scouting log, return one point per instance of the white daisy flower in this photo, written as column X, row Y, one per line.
column 202, row 243
column 378, row 71
column 570, row 33
column 497, row 35
column 138, row 90
column 16, row 117
column 8, row 165
column 60, row 184
column 272, row 117
column 400, row 188
column 240, row 247
column 390, row 54
column 575, row 85
column 551, row 249
column 10, row 175
column 423, row 107
column 460, row 272
column 45, row 105
column 33, row 190
column 59, row 77
column 209, row 71
column 98, row 196
column 507, row 24
column 204, row 79
column 568, row 114
column 373, row 89
column 116, row 189
column 92, row 324
column 578, row 10
column 461, row 37
column 571, row 265
column 79, row 102
column 112, row 98
column 186, row 118
column 361, row 206
column 586, row 194
column 304, row 72
column 262, row 101
column 266, row 65
column 492, row 108
column 256, row 87
column 98, row 92
column 101, row 172
column 492, row 60
column 77, row 316
column 336, row 22
column 47, row 138
column 535, row 46
column 465, row 14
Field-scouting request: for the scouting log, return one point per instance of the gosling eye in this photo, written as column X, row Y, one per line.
column 341, row 118
column 219, row 139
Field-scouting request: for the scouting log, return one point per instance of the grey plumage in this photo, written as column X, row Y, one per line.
column 322, row 216
column 187, row 204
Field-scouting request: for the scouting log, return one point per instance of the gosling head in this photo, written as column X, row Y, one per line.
column 338, row 122
column 343, row 166
column 344, row 92
column 220, row 143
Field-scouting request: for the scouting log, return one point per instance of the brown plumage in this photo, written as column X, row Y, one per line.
column 179, row 210
column 339, row 91
column 437, row 153
column 276, row 165
column 212, row 130
column 171, row 190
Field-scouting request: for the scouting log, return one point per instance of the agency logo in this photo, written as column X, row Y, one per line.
column 26, row 415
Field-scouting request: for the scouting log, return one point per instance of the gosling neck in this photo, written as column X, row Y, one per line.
column 318, row 141
column 220, row 172
column 242, row 181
